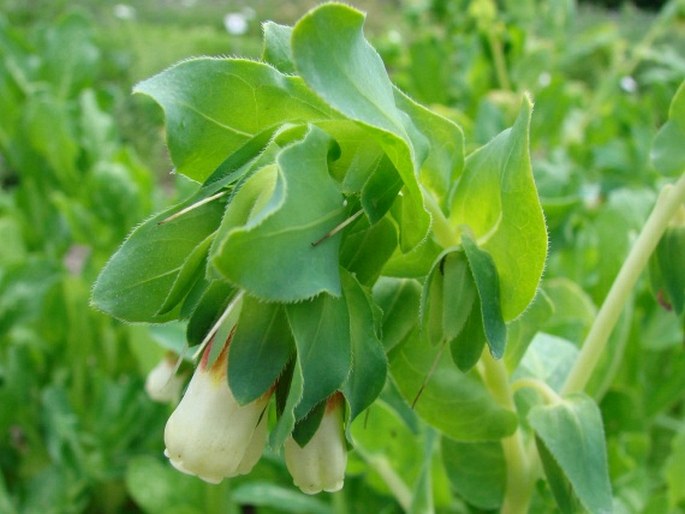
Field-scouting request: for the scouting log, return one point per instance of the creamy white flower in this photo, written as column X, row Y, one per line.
column 209, row 434
column 162, row 383
column 320, row 464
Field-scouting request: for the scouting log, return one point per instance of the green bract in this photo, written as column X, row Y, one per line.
column 329, row 200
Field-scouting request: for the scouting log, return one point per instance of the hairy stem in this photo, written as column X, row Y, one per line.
column 668, row 203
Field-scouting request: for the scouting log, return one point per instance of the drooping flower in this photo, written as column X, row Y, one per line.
column 210, row 434
column 320, row 464
column 162, row 383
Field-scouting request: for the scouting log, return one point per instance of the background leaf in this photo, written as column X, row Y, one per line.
column 477, row 471
column 667, row 150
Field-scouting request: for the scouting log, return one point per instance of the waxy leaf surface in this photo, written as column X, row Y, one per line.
column 214, row 106
column 270, row 241
column 338, row 63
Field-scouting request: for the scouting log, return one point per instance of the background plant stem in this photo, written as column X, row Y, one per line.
column 667, row 204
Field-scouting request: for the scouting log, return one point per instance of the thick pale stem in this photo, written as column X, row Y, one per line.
column 670, row 199
column 444, row 233
column 520, row 475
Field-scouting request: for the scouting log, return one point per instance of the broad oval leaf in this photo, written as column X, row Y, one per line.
column 214, row 106
column 496, row 197
column 338, row 63
column 456, row 403
column 272, row 240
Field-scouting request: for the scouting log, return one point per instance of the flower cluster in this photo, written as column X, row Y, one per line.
column 211, row 435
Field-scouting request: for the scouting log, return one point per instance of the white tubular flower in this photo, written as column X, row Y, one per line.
column 162, row 384
column 320, row 464
column 209, row 434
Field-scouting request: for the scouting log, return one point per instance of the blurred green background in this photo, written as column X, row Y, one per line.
column 82, row 161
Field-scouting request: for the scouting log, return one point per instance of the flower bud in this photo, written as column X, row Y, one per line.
column 209, row 434
column 320, row 464
column 162, row 384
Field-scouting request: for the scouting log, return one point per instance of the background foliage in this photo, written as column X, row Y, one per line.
column 82, row 162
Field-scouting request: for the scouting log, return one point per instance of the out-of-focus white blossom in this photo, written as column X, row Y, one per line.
column 124, row 12
column 628, row 84
column 236, row 23
column 162, row 383
column 209, row 434
column 320, row 464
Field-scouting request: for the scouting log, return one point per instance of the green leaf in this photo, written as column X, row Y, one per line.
column 380, row 190
column 497, row 199
column 573, row 433
column 487, row 283
column 467, row 347
column 669, row 254
column 674, row 470
column 399, row 300
column 445, row 160
column 270, row 242
column 205, row 309
column 321, row 328
column 521, row 331
column 369, row 364
column 548, row 358
column 214, row 106
column 667, row 151
column 260, row 349
column 137, row 280
column 448, row 296
column 445, row 397
column 477, row 471
column 289, row 392
column 338, row 63
column 266, row 494
column 557, row 481
column 366, row 249
column 306, row 427
column 192, row 270
column 157, row 487
column 276, row 49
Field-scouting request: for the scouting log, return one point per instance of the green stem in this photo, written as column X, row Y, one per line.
column 499, row 61
column 520, row 475
column 443, row 231
column 340, row 502
column 668, row 203
column 550, row 395
column 397, row 487
column 218, row 500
